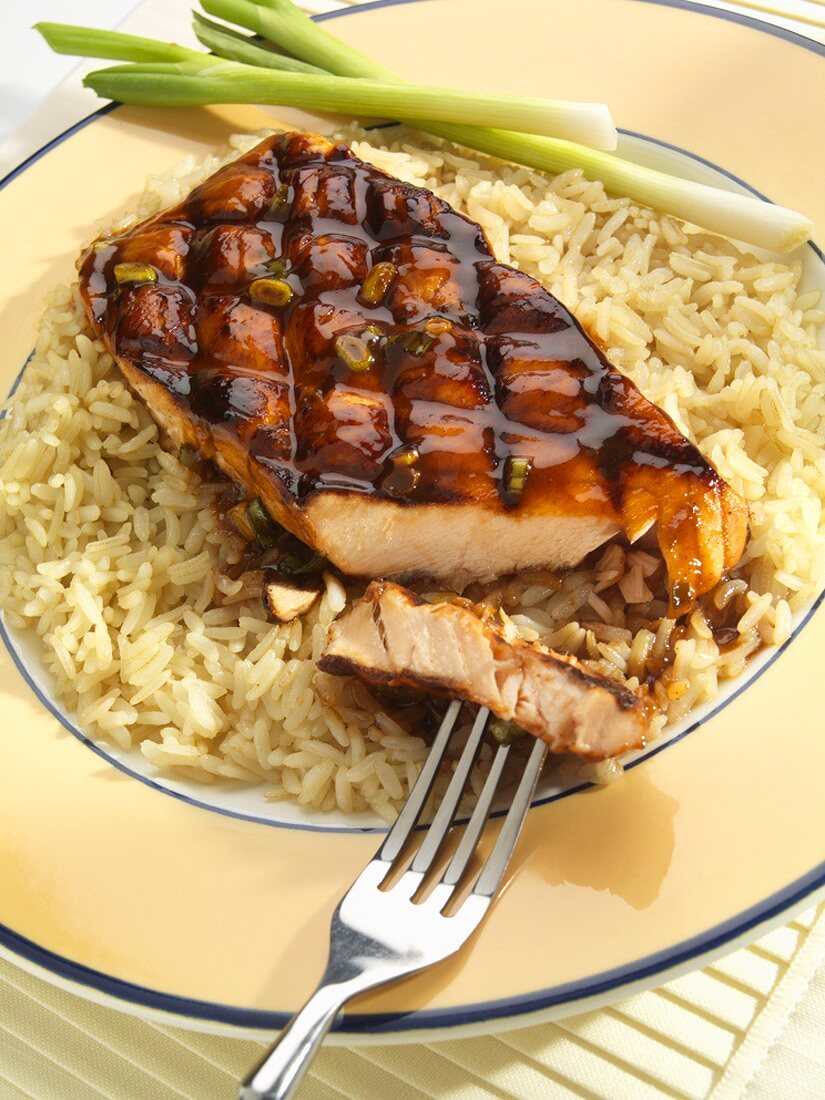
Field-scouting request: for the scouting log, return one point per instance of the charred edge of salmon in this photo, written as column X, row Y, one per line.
column 627, row 699
column 337, row 665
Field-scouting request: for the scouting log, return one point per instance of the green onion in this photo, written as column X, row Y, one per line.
column 115, row 45
column 288, row 27
column 279, row 266
column 354, row 353
column 190, row 83
column 172, row 75
column 188, row 456
column 229, row 44
column 134, row 273
column 279, row 201
column 271, row 292
column 437, row 326
column 265, row 528
column 505, row 732
column 377, row 283
column 413, row 342
column 754, row 221
column 516, row 469
column 295, row 565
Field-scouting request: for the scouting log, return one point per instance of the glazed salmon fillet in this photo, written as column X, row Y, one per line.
column 346, row 346
column 393, row 637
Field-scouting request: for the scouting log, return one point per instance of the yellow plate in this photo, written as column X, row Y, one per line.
column 131, row 891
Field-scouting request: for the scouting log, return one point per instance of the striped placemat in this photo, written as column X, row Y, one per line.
column 706, row 1034
column 749, row 1027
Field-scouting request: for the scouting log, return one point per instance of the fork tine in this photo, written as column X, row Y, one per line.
column 449, row 803
column 411, row 810
column 493, row 872
column 464, row 853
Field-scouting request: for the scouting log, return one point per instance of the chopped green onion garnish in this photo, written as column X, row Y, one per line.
column 413, row 342
column 377, row 283
column 371, row 335
column 438, row 325
column 272, row 292
column 354, row 352
column 292, row 565
column 280, row 200
column 516, row 469
column 134, row 273
column 505, row 732
column 265, row 528
column 419, row 344
column 279, row 267
column 188, row 456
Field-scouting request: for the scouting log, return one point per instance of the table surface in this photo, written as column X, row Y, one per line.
column 750, row 1026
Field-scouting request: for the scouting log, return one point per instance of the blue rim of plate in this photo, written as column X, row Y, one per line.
column 711, row 941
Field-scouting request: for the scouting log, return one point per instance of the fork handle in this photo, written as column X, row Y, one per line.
column 282, row 1069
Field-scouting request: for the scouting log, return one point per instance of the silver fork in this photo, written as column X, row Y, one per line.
column 379, row 935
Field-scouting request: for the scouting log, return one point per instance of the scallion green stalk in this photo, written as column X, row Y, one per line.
column 753, row 221
column 293, row 31
column 229, row 44
column 171, row 75
column 189, row 82
column 115, row 45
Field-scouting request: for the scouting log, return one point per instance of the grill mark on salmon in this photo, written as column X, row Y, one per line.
column 404, row 467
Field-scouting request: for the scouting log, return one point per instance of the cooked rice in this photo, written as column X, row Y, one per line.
column 111, row 552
